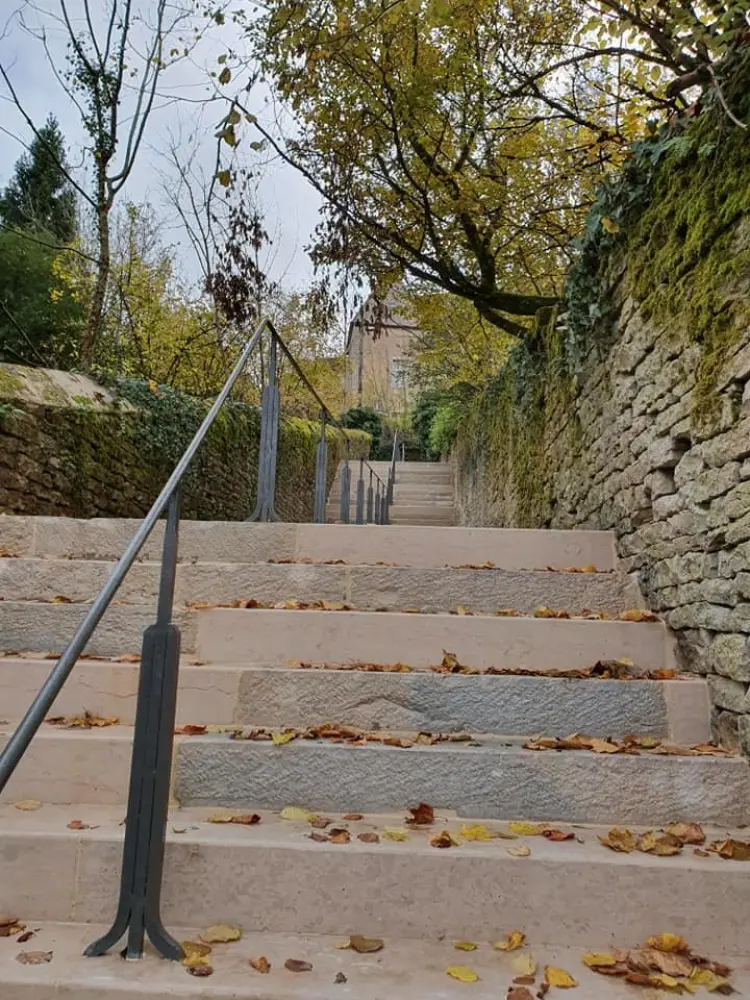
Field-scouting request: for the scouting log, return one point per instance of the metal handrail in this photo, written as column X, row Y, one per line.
column 138, row 911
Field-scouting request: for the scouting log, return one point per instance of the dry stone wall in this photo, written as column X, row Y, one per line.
column 70, row 447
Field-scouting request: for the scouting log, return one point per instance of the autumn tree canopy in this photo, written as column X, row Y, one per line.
column 458, row 142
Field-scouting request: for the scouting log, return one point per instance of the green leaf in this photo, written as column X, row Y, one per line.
column 225, row 76
column 224, row 177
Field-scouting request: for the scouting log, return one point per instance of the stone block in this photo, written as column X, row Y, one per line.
column 711, row 483
column 725, row 729
column 733, row 445
column 729, row 655
column 689, row 467
column 703, row 615
column 729, row 694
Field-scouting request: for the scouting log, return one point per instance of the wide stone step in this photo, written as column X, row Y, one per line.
column 515, row 706
column 424, row 514
column 493, row 779
column 272, row 879
column 101, row 538
column 233, row 636
column 366, row 587
column 405, row 970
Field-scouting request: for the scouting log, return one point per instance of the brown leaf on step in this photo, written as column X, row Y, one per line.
column 638, row 615
column 319, row 838
column 201, row 971
column 86, row 721
column 558, row 835
column 195, row 949
column 246, row 819
column 321, row 822
column 450, row 661
column 663, row 846
column 545, row 612
column 507, row 613
column 129, row 658
column 34, row 957
column 28, row 805
column 444, row 839
column 421, row 815
column 190, row 730
column 353, row 817
column 221, row 934
column 543, row 991
column 368, row 838
column 671, row 963
column 519, row 993
column 642, row 742
column 261, row 965
column 340, row 836
column 622, row 841
column 26, row 936
column 522, row 851
column 340, row 978
column 686, row 833
column 710, row 750
column 732, row 850
column 78, row 824
column 297, row 965
column 365, row 946
column 511, row 942
column 61, row 599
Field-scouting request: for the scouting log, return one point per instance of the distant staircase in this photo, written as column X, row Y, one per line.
column 423, row 493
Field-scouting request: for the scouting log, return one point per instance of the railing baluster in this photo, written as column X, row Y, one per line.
column 361, row 493
column 321, row 472
column 269, row 443
column 370, row 501
column 138, row 911
column 346, row 482
column 378, row 502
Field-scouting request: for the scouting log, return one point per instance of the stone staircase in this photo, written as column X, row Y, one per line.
column 295, row 896
column 423, row 493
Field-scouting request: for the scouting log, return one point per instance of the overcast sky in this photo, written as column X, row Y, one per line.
column 291, row 207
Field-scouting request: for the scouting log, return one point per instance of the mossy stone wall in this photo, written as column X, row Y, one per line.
column 70, row 447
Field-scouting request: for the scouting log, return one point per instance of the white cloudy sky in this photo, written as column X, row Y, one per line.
column 291, row 207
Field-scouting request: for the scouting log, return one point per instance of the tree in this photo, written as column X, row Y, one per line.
column 117, row 51
column 460, row 143
column 39, row 195
column 41, row 313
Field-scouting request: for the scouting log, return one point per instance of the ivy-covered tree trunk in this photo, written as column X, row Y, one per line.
column 96, row 311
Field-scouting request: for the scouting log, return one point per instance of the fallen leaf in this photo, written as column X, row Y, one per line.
column 220, row 817
column 519, row 993
column 450, row 661
column 340, row 978
column 201, row 970
column 559, row 978
column 664, row 846
column 462, row 974
column 34, row 957
column 558, row 835
column 246, row 819
column 708, row 979
column 195, row 949
column 523, row 964
column 294, row 813
column 638, row 615
column 444, row 839
column 194, row 961
column 619, row 840
column 522, row 851
column 78, row 824
column 61, row 599
column 26, row 936
column 465, row 946
column 527, row 829
column 297, row 965
column 687, row 833
column 421, row 815
column 598, row 960
column 28, row 805
column 190, row 730
column 732, row 850
column 279, row 739
column 368, row 838
column 513, row 941
column 221, row 934
column 340, row 837
column 365, row 946
column 319, row 838
column 353, row 817
column 261, row 965
column 477, row 832
column 670, row 963
column 668, row 942
column 7, row 921
column 400, row 836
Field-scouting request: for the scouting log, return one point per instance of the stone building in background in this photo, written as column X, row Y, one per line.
column 378, row 355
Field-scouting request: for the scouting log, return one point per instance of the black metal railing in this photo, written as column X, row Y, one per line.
column 138, row 912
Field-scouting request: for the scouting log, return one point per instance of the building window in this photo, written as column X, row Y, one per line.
column 400, row 372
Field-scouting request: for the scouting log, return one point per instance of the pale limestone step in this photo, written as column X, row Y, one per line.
column 366, row 587
column 515, row 706
column 233, row 636
column 271, row 878
column 102, row 538
column 404, row 970
column 425, row 514
column 496, row 778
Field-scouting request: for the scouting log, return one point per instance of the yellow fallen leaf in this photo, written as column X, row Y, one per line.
column 527, row 829
column 400, row 836
column 598, row 960
column 279, row 739
column 462, row 974
column 522, row 851
column 465, row 946
column 221, row 934
column 195, row 949
column 523, row 964
column 365, row 946
column 295, row 813
column 668, row 982
column 477, row 831
column 193, row 961
column 668, row 942
column 619, row 840
column 342, row 945
column 559, row 977
column 513, row 941
column 704, row 977
column 28, row 805
column 220, row 817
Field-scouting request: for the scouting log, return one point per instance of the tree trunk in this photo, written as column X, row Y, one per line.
column 96, row 311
